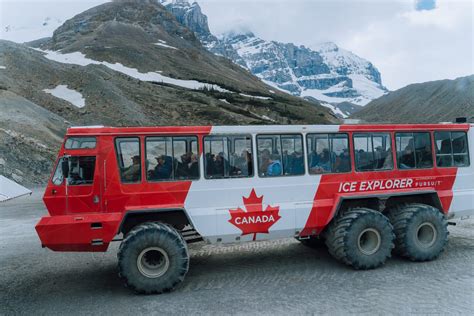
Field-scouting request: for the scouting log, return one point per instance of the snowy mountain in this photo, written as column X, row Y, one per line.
column 326, row 72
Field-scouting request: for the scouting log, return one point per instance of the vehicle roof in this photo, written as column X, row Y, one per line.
column 105, row 130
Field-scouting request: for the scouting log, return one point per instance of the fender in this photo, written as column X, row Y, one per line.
column 341, row 198
column 150, row 214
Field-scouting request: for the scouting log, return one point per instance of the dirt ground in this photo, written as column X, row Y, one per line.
column 275, row 277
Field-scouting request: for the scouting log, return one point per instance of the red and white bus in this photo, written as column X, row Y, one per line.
column 364, row 190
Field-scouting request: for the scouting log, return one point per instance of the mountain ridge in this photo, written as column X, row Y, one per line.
column 328, row 73
column 428, row 102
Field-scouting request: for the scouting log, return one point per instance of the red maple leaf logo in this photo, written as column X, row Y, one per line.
column 254, row 219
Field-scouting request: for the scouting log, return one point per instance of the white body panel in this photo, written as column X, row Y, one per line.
column 463, row 190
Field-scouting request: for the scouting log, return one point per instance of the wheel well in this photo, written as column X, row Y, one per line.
column 174, row 217
column 382, row 203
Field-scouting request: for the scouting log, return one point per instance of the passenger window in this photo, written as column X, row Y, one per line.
column 280, row 155
column 451, row 149
column 172, row 158
column 414, row 150
column 80, row 143
column 228, row 156
column 373, row 151
column 328, row 153
column 129, row 159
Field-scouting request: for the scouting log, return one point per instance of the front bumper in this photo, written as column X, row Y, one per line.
column 84, row 232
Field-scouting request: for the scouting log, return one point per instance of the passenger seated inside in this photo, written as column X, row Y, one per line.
column 425, row 158
column 407, row 159
column 322, row 163
column 243, row 164
column 188, row 167
column 132, row 173
column 343, row 162
column 296, row 163
column 265, row 161
column 162, row 170
column 274, row 166
column 215, row 165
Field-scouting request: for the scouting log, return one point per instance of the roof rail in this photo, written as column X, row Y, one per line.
column 88, row 126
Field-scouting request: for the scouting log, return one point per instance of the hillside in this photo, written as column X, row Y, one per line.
column 124, row 64
column 429, row 102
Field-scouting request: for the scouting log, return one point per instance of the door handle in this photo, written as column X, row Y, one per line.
column 96, row 199
column 53, row 191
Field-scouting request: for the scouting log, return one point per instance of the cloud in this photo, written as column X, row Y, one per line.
column 407, row 45
column 406, row 42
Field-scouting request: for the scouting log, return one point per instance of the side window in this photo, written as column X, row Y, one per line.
column 172, row 158
column 80, row 143
column 58, row 174
column 81, row 170
column 414, row 150
column 328, row 153
column 228, row 156
column 451, row 149
column 280, row 155
column 129, row 159
column 373, row 151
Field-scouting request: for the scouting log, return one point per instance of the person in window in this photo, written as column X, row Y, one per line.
column 182, row 169
column 425, row 157
column 132, row 173
column 219, row 162
column 245, row 165
column 343, row 162
column 407, row 161
column 322, row 164
column 193, row 167
column 265, row 161
column 274, row 167
column 296, row 163
column 162, row 169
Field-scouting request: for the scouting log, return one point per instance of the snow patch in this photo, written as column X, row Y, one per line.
column 78, row 58
column 69, row 95
column 224, row 100
column 3, row 67
column 255, row 96
column 162, row 43
column 334, row 109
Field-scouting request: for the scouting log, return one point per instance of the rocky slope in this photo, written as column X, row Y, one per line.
column 124, row 64
column 429, row 102
column 326, row 73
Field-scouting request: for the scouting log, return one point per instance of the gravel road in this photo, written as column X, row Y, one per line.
column 276, row 277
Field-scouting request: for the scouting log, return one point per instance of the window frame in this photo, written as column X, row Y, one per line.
column 173, row 179
column 328, row 138
column 236, row 136
column 452, row 151
column 433, row 152
column 390, row 134
column 116, row 145
column 281, row 155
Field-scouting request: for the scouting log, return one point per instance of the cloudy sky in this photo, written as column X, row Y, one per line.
column 407, row 40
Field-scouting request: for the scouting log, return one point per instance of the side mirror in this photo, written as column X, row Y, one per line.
column 65, row 168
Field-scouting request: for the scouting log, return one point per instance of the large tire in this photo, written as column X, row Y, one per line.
column 421, row 231
column 313, row 242
column 361, row 238
column 153, row 258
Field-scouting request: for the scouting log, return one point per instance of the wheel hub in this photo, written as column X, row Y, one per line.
column 153, row 262
column 426, row 235
column 369, row 241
